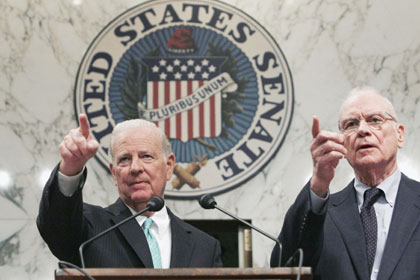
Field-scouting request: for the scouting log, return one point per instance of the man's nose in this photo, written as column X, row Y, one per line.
column 364, row 128
column 136, row 165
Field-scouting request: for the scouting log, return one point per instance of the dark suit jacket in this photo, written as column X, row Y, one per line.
column 334, row 243
column 66, row 222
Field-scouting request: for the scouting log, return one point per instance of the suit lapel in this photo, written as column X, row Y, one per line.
column 345, row 214
column 182, row 245
column 132, row 232
column 405, row 219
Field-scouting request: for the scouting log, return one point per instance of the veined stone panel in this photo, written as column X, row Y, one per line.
column 330, row 46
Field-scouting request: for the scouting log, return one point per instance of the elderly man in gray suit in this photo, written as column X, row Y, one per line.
column 142, row 162
column 370, row 229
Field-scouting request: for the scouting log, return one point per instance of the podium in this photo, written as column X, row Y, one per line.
column 185, row 273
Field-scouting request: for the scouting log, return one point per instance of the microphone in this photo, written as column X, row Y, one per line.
column 155, row 204
column 207, row 201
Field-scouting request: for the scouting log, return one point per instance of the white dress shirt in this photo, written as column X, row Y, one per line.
column 161, row 230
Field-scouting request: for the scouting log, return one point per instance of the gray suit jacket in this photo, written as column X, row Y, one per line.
column 66, row 222
column 334, row 243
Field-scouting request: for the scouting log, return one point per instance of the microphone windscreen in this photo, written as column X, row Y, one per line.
column 155, row 203
column 207, row 201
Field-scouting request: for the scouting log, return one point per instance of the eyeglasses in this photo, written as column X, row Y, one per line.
column 374, row 120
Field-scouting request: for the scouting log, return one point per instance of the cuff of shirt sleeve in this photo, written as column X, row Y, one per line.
column 318, row 204
column 68, row 185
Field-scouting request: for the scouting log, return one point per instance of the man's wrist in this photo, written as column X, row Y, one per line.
column 318, row 203
column 68, row 185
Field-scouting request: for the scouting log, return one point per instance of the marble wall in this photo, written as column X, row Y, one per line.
column 331, row 46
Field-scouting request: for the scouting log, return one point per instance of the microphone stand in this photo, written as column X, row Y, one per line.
column 63, row 264
column 253, row 227
column 207, row 201
column 290, row 260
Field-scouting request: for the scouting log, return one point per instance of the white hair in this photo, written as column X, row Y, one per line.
column 365, row 90
column 138, row 123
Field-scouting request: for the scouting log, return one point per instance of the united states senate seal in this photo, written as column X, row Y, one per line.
column 210, row 76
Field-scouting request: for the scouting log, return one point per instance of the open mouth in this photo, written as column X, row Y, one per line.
column 365, row 146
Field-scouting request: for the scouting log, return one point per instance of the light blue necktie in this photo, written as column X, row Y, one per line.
column 153, row 245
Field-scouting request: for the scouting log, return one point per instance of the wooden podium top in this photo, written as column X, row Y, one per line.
column 184, row 273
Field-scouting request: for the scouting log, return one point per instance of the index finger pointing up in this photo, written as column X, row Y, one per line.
column 315, row 126
column 84, row 125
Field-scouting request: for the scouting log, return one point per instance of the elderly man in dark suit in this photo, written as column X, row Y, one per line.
column 142, row 162
column 370, row 229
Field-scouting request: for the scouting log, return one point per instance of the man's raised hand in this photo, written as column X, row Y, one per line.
column 77, row 147
column 327, row 149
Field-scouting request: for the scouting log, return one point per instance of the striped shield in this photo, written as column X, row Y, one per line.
column 184, row 97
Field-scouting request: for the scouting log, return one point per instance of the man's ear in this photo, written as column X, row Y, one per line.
column 170, row 164
column 401, row 134
column 111, row 168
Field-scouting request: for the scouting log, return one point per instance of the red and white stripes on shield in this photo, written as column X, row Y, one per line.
column 203, row 120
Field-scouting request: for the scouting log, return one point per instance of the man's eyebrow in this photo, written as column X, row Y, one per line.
column 122, row 154
column 349, row 119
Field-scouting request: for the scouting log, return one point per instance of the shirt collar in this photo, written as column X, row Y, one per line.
column 389, row 186
column 161, row 220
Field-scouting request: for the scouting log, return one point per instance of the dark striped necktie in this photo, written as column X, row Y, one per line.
column 370, row 226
